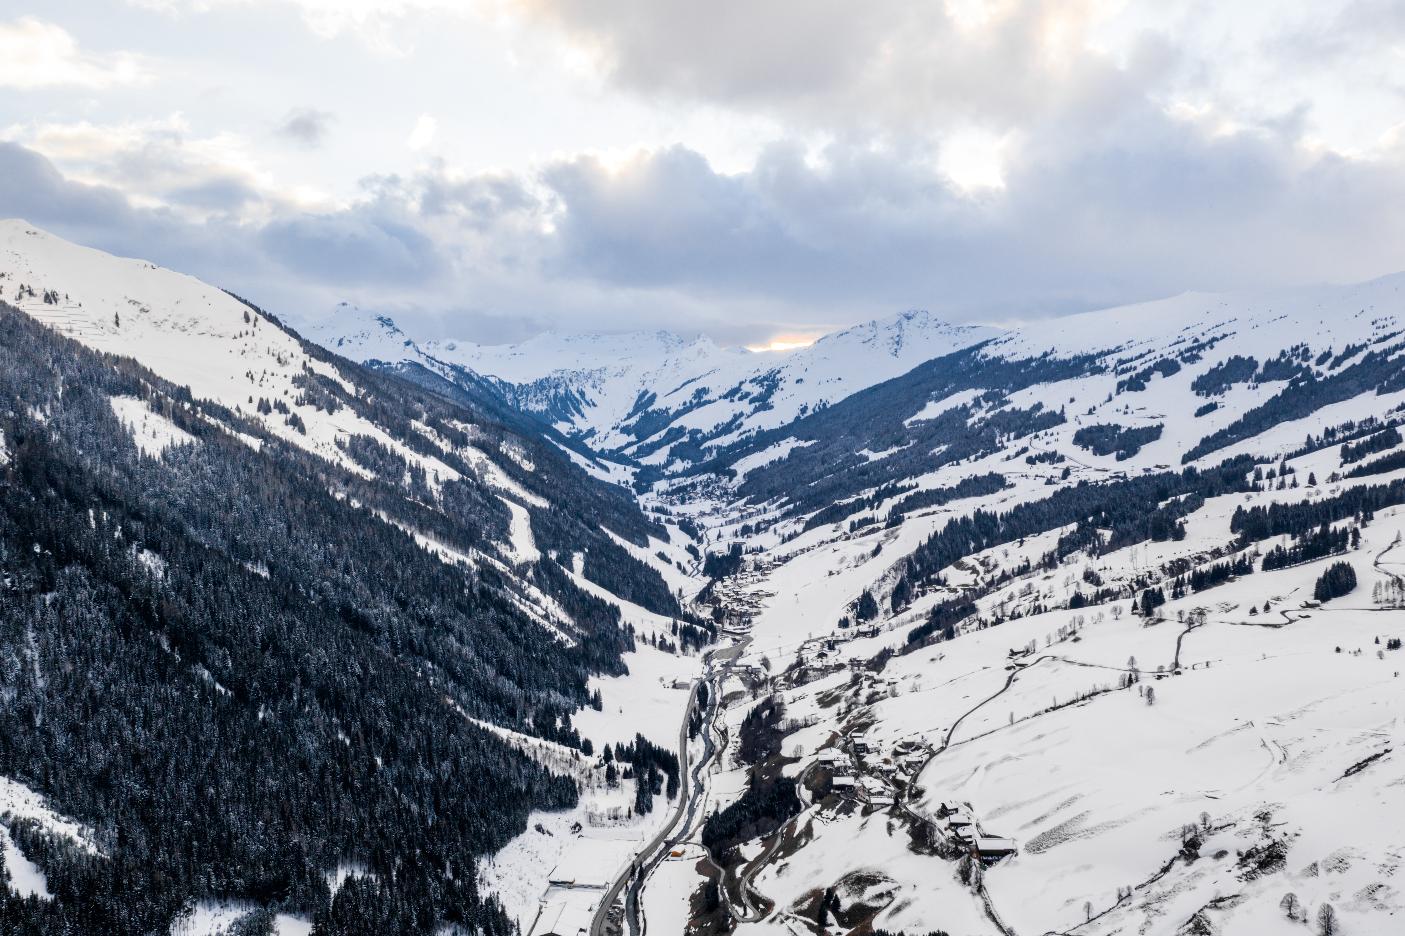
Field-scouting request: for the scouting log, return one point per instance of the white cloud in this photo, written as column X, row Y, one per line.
column 35, row 54
column 376, row 22
column 163, row 163
column 974, row 159
column 422, row 135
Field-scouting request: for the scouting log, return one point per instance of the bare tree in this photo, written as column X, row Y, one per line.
column 1327, row 924
column 1289, row 905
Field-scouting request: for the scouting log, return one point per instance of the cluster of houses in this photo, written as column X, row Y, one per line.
column 739, row 597
column 960, row 824
column 861, row 771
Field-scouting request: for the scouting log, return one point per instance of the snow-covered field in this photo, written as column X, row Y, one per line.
column 1276, row 740
column 19, row 802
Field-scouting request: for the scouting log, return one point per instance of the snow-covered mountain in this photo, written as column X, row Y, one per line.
column 1088, row 625
column 659, row 398
column 238, row 568
column 1089, row 629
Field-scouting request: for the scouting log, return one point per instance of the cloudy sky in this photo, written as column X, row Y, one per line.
column 754, row 169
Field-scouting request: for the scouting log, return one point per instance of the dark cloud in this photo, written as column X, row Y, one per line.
column 353, row 248
column 220, row 193
column 1158, row 206
column 730, row 48
column 31, row 187
column 669, row 219
column 306, row 126
column 480, row 201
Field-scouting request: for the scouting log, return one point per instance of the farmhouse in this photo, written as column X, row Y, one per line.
column 991, row 848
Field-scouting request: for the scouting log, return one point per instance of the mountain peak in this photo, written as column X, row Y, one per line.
column 363, row 335
column 913, row 333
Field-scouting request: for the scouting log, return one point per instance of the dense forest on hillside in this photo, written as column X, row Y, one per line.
column 879, row 419
column 590, row 506
column 1103, row 517
column 1378, row 371
column 239, row 678
column 1110, row 439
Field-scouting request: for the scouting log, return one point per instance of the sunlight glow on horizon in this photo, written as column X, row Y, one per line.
column 784, row 343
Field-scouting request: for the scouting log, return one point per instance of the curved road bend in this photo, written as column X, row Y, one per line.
column 631, row 879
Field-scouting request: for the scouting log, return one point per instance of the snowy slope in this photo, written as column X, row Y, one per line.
column 1254, row 755
column 1279, row 731
column 190, row 333
column 1274, row 739
column 475, row 487
column 197, row 336
column 362, row 336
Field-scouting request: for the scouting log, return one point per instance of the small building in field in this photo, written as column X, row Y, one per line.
column 991, row 848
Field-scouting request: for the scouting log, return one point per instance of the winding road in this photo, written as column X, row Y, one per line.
column 632, row 879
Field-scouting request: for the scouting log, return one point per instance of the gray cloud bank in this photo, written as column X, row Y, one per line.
column 1110, row 196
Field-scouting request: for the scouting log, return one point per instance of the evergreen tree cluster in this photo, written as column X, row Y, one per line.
column 1305, row 517
column 760, row 735
column 1232, row 370
column 1104, row 517
column 975, row 486
column 1324, row 541
column 1216, row 573
column 581, row 507
column 654, row 769
column 942, row 619
column 1151, row 599
column 1110, row 438
column 1379, row 370
column 1386, row 463
column 1137, row 382
column 720, row 565
column 1387, row 438
column 763, row 808
column 1338, row 580
column 842, row 510
column 832, row 469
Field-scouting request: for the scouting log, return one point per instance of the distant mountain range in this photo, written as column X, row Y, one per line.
column 652, row 396
column 666, row 406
